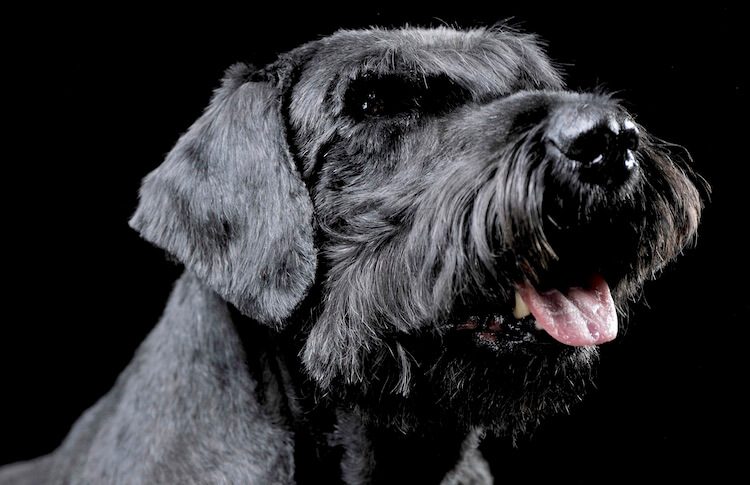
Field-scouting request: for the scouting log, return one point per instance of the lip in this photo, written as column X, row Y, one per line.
column 494, row 330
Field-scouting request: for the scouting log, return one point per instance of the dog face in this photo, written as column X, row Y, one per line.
column 470, row 227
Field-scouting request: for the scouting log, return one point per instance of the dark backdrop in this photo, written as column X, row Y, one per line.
column 113, row 94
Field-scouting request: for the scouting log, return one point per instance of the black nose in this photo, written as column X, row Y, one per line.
column 597, row 142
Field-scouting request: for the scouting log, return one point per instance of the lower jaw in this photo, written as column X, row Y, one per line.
column 461, row 384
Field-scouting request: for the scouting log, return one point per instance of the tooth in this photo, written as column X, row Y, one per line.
column 521, row 309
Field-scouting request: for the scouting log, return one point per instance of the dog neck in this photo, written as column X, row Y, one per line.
column 335, row 443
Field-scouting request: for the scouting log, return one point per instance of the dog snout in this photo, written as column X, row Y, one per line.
column 598, row 142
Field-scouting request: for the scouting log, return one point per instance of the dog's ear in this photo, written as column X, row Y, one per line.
column 229, row 203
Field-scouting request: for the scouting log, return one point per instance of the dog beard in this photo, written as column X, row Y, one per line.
column 420, row 377
column 423, row 382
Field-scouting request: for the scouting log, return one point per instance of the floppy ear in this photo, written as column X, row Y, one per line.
column 229, row 203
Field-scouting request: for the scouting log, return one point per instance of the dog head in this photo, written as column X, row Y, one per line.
column 470, row 226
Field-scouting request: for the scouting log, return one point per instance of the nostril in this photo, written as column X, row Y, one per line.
column 592, row 146
column 629, row 139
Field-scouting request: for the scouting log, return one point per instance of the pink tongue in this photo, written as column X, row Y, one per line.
column 582, row 316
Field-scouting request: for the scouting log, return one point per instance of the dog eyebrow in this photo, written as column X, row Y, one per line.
column 417, row 75
column 402, row 92
column 407, row 76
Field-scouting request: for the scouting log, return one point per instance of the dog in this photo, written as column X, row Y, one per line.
column 395, row 242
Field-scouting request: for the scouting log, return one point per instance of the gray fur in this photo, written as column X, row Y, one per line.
column 349, row 246
column 193, row 417
column 357, row 462
column 472, row 469
column 228, row 203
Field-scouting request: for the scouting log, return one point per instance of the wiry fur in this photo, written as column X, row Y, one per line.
column 361, row 240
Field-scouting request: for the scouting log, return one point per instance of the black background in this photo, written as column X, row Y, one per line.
column 112, row 93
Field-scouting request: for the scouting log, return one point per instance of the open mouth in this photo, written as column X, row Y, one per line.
column 575, row 316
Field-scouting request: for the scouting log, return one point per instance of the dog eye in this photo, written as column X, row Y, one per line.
column 399, row 96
